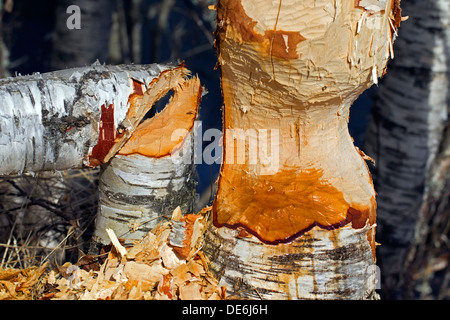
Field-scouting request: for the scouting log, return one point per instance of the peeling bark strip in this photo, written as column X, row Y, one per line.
column 154, row 172
column 54, row 121
column 296, row 67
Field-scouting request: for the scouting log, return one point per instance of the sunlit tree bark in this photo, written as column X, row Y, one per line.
column 296, row 219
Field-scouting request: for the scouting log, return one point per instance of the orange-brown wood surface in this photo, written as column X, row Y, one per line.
column 164, row 133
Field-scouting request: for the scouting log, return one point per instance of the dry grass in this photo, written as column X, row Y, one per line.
column 47, row 217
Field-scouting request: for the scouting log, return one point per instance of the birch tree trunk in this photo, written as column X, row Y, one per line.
column 294, row 214
column 406, row 135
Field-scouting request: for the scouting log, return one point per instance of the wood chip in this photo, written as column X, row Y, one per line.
column 169, row 258
column 121, row 249
column 191, row 291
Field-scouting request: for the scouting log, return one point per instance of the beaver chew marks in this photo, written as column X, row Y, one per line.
column 281, row 207
column 290, row 71
column 112, row 136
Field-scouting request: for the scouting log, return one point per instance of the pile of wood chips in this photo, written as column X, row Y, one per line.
column 166, row 264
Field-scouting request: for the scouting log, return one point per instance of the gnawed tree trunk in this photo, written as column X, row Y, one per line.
column 154, row 172
column 406, row 138
column 83, row 117
column 297, row 221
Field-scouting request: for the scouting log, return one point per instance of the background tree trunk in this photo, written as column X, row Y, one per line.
column 406, row 139
column 80, row 47
column 294, row 68
column 32, row 32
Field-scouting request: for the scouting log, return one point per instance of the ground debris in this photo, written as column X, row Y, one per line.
column 20, row 284
column 152, row 269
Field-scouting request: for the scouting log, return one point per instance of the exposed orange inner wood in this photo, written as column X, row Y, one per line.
column 111, row 137
column 107, row 135
column 164, row 133
column 281, row 207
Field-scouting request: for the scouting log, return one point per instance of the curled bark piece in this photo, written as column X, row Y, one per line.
column 76, row 117
column 405, row 136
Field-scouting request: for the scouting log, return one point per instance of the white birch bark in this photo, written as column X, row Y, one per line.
column 52, row 121
column 137, row 192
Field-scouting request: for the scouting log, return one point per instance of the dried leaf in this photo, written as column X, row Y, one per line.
column 137, row 248
column 10, row 288
column 7, row 274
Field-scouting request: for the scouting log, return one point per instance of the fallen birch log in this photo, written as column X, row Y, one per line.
column 76, row 118
column 154, row 172
column 294, row 215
